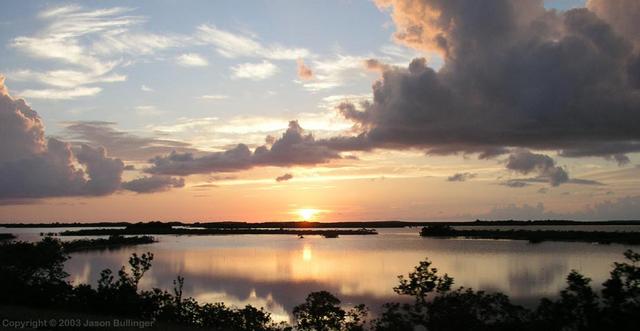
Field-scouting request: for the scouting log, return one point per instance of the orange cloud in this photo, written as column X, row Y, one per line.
column 304, row 72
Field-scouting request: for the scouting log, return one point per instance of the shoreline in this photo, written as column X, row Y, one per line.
column 321, row 225
column 535, row 236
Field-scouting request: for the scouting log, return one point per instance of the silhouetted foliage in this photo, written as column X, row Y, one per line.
column 422, row 281
column 437, row 230
column 6, row 236
column 321, row 311
column 437, row 307
column 33, row 273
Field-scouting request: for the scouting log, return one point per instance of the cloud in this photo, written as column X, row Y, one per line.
column 191, row 60
column 32, row 166
column 121, row 144
column 525, row 162
column 147, row 110
column 621, row 14
column 145, row 88
column 284, row 177
column 376, row 65
column 626, row 208
column 239, row 45
column 152, row 184
column 294, row 147
column 68, row 79
column 214, row 97
column 461, row 177
column 104, row 172
column 335, row 72
column 515, row 183
column 515, row 75
column 304, row 72
column 523, row 212
column 334, row 101
column 619, row 209
column 60, row 94
column 254, row 71
column 522, row 182
column 91, row 44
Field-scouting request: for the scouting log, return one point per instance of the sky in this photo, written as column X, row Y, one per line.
column 319, row 110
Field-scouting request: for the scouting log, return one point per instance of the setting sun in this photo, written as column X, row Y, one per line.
column 307, row 214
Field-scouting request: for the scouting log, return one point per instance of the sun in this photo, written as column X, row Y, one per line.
column 307, row 214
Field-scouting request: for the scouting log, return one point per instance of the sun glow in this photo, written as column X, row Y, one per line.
column 307, row 214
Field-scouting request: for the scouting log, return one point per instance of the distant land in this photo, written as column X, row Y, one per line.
column 304, row 224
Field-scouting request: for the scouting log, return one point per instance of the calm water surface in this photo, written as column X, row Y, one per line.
column 278, row 271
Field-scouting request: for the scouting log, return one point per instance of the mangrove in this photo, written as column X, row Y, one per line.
column 535, row 236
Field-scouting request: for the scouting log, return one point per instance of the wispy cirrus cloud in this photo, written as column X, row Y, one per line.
column 60, row 94
column 234, row 45
column 90, row 45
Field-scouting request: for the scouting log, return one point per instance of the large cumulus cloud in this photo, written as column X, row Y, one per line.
column 515, row 75
column 32, row 166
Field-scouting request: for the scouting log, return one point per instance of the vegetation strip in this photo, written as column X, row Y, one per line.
column 112, row 242
column 6, row 236
column 535, row 236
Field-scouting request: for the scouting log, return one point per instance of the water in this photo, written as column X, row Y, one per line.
column 278, row 271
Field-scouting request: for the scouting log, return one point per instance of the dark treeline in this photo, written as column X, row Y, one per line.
column 6, row 236
column 535, row 236
column 32, row 275
column 105, row 243
column 294, row 224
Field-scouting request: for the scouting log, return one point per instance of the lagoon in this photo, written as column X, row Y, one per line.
column 278, row 271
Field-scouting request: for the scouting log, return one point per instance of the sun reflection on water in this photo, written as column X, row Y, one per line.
column 306, row 253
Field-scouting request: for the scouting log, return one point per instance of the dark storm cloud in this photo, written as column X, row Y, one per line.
column 284, row 178
column 461, row 177
column 121, row 144
column 32, row 166
column 294, row 147
column 515, row 76
column 151, row 184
